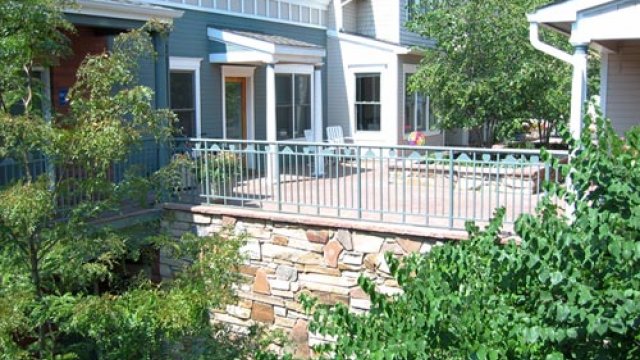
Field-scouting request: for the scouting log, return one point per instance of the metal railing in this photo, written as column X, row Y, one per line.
column 424, row 186
column 144, row 160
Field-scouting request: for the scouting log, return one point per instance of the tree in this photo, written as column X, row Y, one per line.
column 66, row 290
column 484, row 72
column 569, row 290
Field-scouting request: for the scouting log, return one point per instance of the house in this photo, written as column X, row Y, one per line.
column 611, row 28
column 370, row 57
column 269, row 70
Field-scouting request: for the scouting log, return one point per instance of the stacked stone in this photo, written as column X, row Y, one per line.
column 285, row 261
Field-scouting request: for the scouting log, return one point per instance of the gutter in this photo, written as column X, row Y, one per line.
column 534, row 38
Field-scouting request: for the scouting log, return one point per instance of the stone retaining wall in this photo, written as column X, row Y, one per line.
column 286, row 260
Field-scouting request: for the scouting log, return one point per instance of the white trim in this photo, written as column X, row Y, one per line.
column 240, row 57
column 242, row 15
column 351, row 90
column 301, row 69
column 247, row 72
column 191, row 64
column 604, row 81
column 563, row 11
column 318, row 117
column 47, row 101
column 294, row 69
column 376, row 44
column 121, row 10
column 412, row 69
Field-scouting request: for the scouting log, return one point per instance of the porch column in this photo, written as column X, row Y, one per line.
column 578, row 89
column 273, row 169
column 161, row 76
column 318, row 124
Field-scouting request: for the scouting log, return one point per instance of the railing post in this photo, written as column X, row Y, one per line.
column 275, row 173
column 359, row 177
column 451, row 188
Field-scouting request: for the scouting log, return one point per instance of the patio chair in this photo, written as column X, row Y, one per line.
column 335, row 135
column 316, row 165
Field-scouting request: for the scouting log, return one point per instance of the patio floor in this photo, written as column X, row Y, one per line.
column 435, row 195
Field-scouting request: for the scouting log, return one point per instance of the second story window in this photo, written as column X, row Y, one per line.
column 368, row 102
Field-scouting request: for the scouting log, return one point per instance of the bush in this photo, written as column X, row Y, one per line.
column 570, row 289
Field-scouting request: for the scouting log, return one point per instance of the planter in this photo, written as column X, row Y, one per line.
column 218, row 191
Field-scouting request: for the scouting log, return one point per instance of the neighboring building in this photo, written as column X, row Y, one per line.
column 612, row 28
column 97, row 22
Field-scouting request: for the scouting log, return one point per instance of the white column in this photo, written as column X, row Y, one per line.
column 578, row 89
column 578, row 98
column 273, row 169
column 318, row 125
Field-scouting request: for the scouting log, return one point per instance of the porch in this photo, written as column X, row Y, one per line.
column 427, row 187
column 437, row 187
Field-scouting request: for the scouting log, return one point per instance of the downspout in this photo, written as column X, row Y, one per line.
column 534, row 38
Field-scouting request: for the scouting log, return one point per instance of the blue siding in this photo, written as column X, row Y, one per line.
column 408, row 38
column 189, row 39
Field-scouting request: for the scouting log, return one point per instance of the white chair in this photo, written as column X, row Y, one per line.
column 335, row 135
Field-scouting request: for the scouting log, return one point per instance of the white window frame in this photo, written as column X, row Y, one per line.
column 247, row 72
column 47, row 101
column 356, row 102
column 410, row 69
column 193, row 65
column 385, row 100
column 301, row 69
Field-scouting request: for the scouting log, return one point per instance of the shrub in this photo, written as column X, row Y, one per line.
column 570, row 288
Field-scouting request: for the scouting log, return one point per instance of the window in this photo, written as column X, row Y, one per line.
column 183, row 101
column 293, row 105
column 417, row 111
column 368, row 102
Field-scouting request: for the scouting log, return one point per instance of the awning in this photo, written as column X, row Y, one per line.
column 599, row 22
column 246, row 47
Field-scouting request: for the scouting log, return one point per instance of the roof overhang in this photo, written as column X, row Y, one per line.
column 129, row 10
column 247, row 50
column 599, row 23
column 376, row 44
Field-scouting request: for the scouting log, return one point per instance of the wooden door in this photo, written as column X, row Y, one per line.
column 236, row 107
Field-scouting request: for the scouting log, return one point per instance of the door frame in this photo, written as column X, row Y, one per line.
column 246, row 72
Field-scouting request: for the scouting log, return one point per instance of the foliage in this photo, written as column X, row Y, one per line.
column 220, row 168
column 570, row 288
column 69, row 287
column 484, row 72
